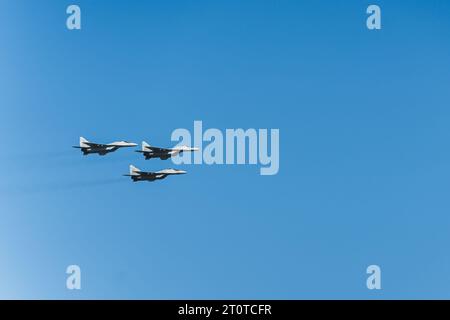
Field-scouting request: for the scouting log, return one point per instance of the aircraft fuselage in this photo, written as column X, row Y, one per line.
column 100, row 151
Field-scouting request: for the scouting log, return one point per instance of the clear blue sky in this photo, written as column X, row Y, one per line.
column 364, row 149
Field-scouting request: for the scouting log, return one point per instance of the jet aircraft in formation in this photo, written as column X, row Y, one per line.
column 138, row 175
column 148, row 151
column 102, row 149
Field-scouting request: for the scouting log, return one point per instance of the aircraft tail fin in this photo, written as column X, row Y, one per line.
column 83, row 143
column 134, row 171
column 145, row 145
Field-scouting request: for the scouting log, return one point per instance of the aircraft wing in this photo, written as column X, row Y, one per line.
column 157, row 150
column 153, row 175
column 95, row 145
column 147, row 174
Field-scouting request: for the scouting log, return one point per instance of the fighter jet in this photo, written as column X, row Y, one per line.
column 138, row 175
column 163, row 153
column 102, row 149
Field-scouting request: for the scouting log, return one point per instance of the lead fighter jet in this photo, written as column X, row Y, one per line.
column 163, row 153
column 102, row 149
column 138, row 175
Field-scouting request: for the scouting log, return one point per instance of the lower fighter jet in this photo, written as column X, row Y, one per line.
column 163, row 153
column 138, row 175
column 102, row 149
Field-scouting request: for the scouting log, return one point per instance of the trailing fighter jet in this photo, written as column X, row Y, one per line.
column 163, row 153
column 138, row 175
column 102, row 149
